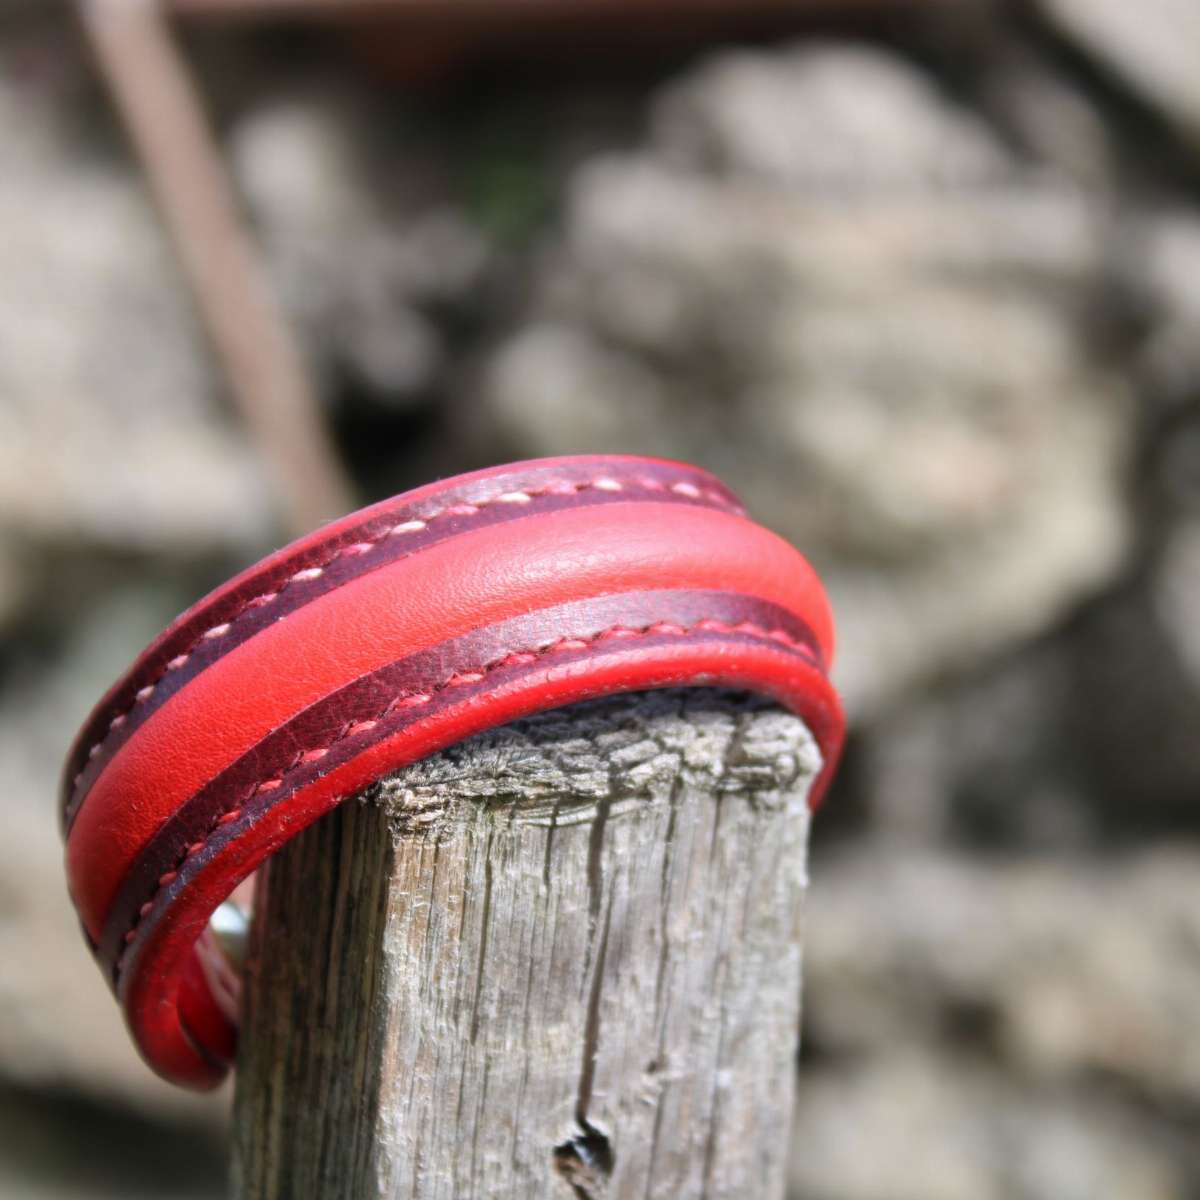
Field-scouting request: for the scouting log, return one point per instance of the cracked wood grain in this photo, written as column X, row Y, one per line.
column 561, row 959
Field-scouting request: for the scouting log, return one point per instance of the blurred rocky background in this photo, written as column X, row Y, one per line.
column 922, row 281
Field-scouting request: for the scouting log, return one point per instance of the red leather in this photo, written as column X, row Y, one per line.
column 381, row 639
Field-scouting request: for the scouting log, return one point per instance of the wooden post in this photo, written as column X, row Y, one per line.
column 560, row 959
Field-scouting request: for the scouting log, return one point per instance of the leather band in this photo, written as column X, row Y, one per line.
column 378, row 640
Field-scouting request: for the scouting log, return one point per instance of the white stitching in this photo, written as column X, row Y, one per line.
column 511, row 658
column 553, row 487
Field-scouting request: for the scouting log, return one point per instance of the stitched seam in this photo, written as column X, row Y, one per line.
column 512, row 658
column 561, row 487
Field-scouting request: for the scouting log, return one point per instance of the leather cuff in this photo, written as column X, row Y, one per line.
column 382, row 638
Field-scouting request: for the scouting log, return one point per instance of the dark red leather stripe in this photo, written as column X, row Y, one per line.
column 337, row 562
column 373, row 697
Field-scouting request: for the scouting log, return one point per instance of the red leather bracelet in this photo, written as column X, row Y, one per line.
column 380, row 639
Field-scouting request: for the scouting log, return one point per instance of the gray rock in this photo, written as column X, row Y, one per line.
column 999, row 1029
column 874, row 328
column 111, row 433
column 771, row 116
column 1149, row 46
column 904, row 1126
column 1055, row 971
column 1178, row 596
column 1161, row 261
column 1133, row 707
column 1048, row 113
column 1136, row 691
column 354, row 273
column 59, row 1028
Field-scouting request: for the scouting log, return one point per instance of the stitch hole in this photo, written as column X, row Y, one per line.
column 464, row 677
column 407, row 527
column 618, row 633
column 520, row 659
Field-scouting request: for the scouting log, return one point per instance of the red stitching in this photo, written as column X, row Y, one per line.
column 553, row 487
column 420, row 699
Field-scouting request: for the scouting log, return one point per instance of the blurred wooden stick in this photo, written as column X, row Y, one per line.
column 267, row 378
